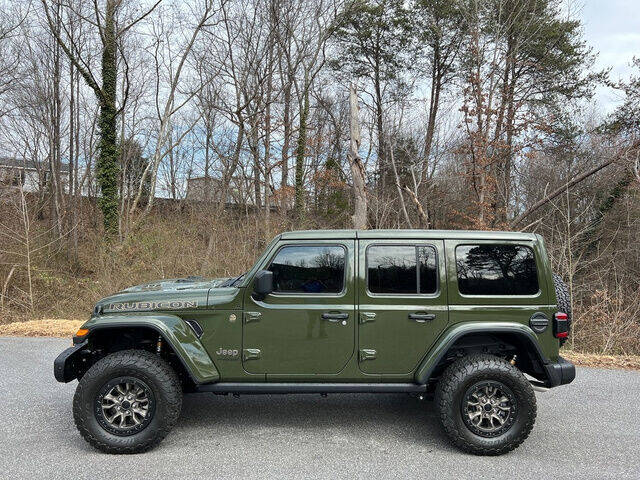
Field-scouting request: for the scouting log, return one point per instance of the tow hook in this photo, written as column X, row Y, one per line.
column 514, row 360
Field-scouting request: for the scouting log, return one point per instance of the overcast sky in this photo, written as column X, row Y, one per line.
column 612, row 28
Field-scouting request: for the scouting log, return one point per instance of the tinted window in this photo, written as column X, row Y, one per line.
column 428, row 278
column 496, row 270
column 308, row 269
column 404, row 269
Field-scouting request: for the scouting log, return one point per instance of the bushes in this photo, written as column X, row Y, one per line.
column 201, row 240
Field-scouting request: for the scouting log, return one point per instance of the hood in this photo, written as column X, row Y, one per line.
column 167, row 295
column 177, row 284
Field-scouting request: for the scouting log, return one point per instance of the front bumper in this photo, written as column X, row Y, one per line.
column 68, row 364
column 560, row 373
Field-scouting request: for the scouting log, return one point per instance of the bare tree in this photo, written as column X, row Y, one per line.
column 164, row 143
column 357, row 168
column 105, row 22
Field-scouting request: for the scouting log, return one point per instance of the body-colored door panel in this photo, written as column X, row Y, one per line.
column 301, row 333
column 396, row 330
column 498, row 308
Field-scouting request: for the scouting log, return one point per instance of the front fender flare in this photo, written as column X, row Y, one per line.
column 446, row 341
column 175, row 332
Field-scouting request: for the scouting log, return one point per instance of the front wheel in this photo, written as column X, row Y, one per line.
column 127, row 402
column 486, row 405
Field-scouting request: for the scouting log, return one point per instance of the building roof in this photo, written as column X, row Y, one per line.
column 406, row 234
column 27, row 164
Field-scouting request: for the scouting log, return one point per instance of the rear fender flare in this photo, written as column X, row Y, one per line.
column 449, row 338
column 175, row 332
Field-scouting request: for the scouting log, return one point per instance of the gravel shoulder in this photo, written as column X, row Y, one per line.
column 588, row 429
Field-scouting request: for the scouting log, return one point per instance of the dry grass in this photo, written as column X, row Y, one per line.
column 201, row 240
column 41, row 328
column 625, row 362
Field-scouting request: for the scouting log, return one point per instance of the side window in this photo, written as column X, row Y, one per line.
column 402, row 269
column 496, row 270
column 309, row 269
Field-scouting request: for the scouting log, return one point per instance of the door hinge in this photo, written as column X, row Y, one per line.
column 367, row 354
column 367, row 317
column 252, row 316
column 250, row 354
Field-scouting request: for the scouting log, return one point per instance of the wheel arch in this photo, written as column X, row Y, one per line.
column 507, row 337
column 119, row 332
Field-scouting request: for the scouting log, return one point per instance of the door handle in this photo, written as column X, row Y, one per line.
column 421, row 317
column 334, row 316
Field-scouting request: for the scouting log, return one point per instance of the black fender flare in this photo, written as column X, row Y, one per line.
column 180, row 337
column 457, row 331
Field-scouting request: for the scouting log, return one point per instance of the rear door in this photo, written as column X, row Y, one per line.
column 498, row 281
column 307, row 325
column 402, row 303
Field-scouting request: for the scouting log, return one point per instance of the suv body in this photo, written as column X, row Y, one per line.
column 347, row 311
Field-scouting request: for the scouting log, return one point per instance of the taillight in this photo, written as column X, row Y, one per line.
column 560, row 325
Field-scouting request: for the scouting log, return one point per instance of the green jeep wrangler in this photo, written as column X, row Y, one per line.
column 473, row 319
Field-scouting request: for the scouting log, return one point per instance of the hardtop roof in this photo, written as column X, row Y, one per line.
column 391, row 234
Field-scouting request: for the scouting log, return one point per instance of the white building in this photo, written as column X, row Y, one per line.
column 33, row 176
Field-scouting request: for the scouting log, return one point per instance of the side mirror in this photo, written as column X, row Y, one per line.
column 262, row 284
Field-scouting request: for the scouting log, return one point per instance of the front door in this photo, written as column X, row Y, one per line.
column 403, row 303
column 307, row 325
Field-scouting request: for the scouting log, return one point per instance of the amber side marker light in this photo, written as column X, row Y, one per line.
column 79, row 336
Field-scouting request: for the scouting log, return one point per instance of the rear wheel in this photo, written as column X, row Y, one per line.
column 486, row 405
column 127, row 402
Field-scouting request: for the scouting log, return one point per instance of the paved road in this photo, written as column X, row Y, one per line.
column 590, row 429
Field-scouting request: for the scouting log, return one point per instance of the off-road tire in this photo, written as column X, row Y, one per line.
column 449, row 396
column 563, row 299
column 139, row 364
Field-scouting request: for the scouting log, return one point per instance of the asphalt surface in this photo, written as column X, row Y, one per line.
column 589, row 429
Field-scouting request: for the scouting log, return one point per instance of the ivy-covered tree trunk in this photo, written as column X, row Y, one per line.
column 300, row 151
column 107, row 164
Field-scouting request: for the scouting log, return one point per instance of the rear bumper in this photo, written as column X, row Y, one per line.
column 560, row 373
column 66, row 365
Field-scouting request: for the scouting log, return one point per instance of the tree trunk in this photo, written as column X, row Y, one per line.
column 107, row 164
column 357, row 168
column 398, row 187
column 379, row 122
column 55, row 140
column 300, row 154
column 286, row 120
column 72, row 245
column 434, row 102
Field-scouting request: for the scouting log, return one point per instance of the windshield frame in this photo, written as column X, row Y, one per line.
column 243, row 280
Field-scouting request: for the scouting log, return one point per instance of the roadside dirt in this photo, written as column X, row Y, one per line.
column 625, row 362
column 41, row 328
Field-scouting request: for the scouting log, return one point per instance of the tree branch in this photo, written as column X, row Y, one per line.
column 577, row 179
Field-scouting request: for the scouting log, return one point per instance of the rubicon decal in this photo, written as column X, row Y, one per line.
column 143, row 306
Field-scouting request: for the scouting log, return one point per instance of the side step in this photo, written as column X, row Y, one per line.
column 242, row 387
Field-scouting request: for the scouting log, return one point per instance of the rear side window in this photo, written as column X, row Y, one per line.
column 402, row 269
column 496, row 270
column 309, row 269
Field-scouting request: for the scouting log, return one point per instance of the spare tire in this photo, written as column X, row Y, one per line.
column 563, row 299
